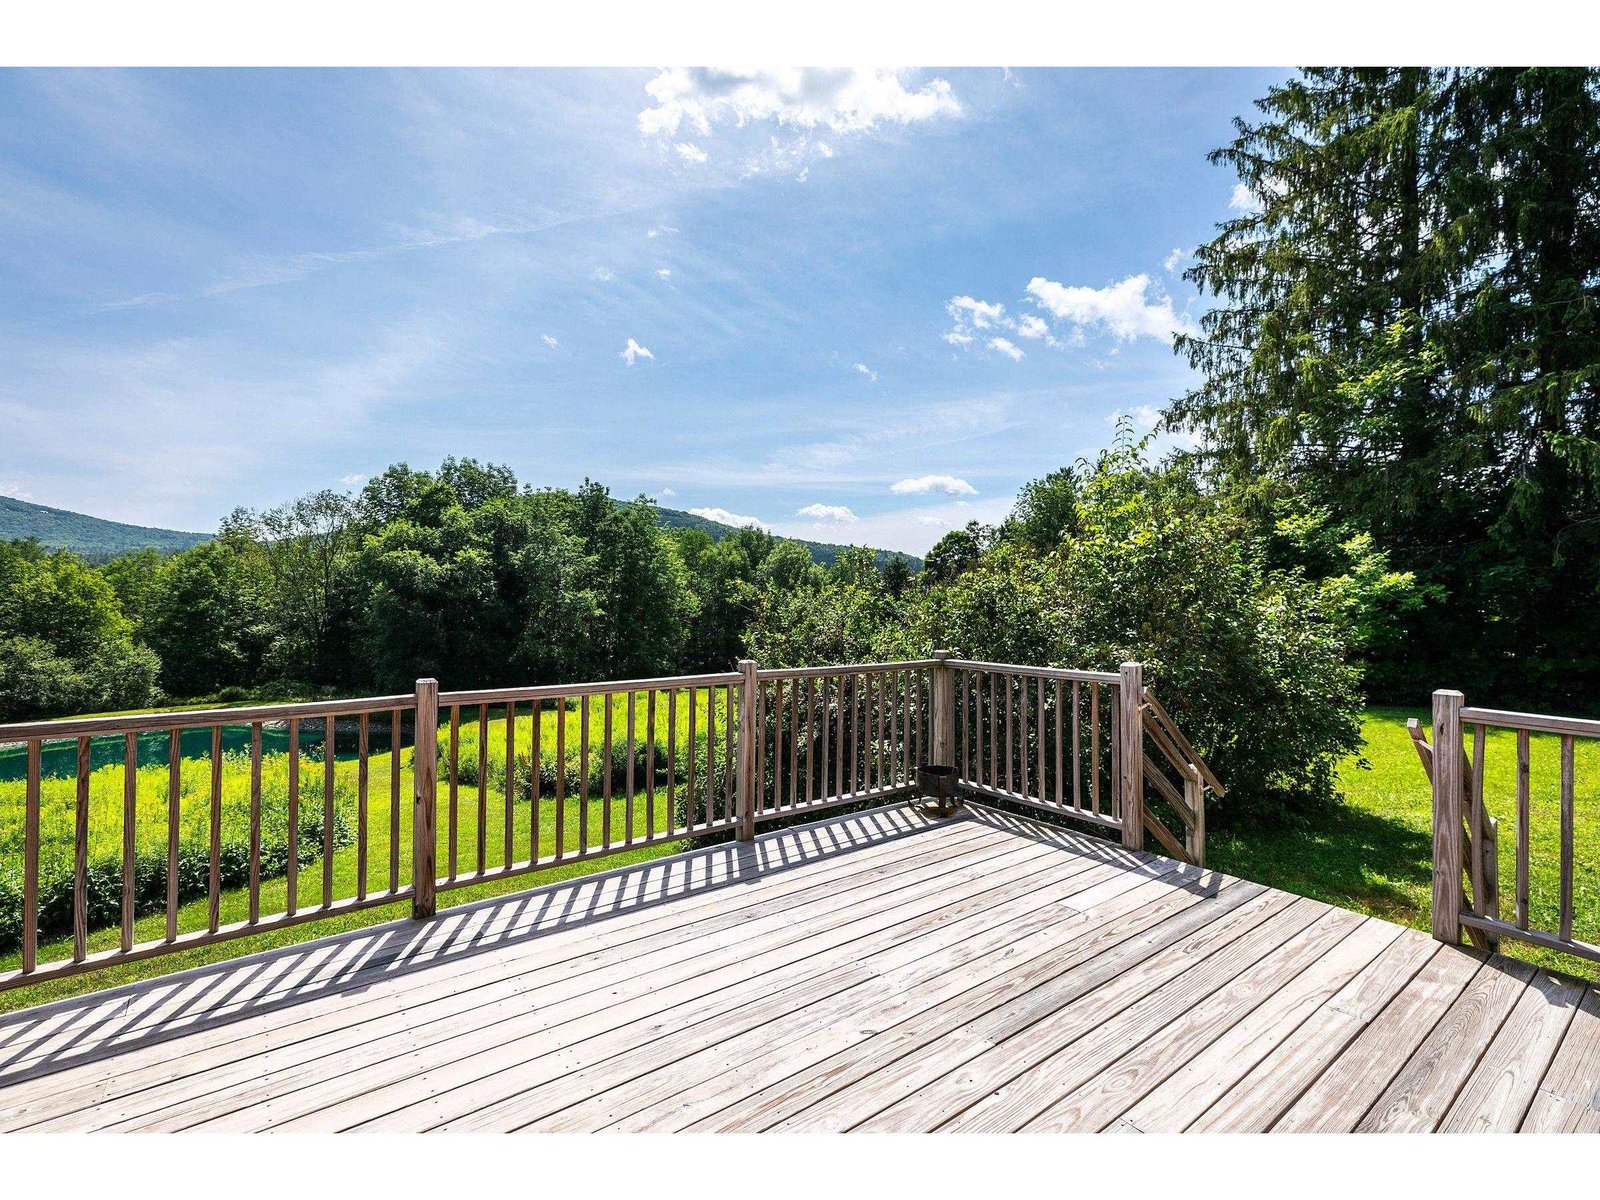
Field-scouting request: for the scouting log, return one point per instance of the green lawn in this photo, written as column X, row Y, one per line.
column 1374, row 853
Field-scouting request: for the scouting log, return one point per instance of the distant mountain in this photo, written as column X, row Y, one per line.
column 99, row 539
column 91, row 537
column 822, row 552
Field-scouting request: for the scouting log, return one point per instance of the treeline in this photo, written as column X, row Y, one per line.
column 458, row 573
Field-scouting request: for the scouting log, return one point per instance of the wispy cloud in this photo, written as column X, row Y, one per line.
column 838, row 514
column 602, row 275
column 633, row 352
column 850, row 100
column 689, row 152
column 664, row 273
column 724, row 517
column 922, row 485
column 1007, row 347
column 863, row 369
column 550, row 341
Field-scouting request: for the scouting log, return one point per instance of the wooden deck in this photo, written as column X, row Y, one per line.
column 877, row 971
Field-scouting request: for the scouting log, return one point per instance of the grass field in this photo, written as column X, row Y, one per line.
column 1371, row 854
column 1375, row 852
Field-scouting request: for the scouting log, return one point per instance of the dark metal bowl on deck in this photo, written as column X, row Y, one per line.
column 937, row 784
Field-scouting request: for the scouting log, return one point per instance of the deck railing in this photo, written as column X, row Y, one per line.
column 508, row 781
column 1466, row 840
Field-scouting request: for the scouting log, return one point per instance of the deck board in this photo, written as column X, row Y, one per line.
column 879, row 971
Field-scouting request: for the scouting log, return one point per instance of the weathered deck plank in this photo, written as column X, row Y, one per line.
column 876, row 971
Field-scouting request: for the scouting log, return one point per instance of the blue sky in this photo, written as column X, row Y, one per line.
column 857, row 306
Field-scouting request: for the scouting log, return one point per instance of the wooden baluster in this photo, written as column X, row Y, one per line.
column 1566, row 837
column 394, row 799
column 1094, row 747
column 535, row 779
column 794, row 743
column 30, row 861
column 962, row 724
column 80, row 858
column 454, row 767
column 1077, row 749
column 1039, row 735
column 1022, row 734
column 672, row 760
column 729, row 768
column 811, row 738
column 508, row 825
column 174, row 786
column 880, row 682
column 583, row 773
column 747, row 749
column 362, row 749
column 994, row 732
column 130, row 811
column 711, row 755
column 214, row 860
column 852, row 687
column 327, row 812
column 650, row 773
column 1479, row 824
column 561, row 777
column 606, row 769
column 1011, row 744
column 628, row 780
column 1061, row 785
column 1522, row 829
column 839, row 747
column 483, row 788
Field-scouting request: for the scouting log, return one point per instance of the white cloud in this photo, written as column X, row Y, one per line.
column 724, row 517
column 550, row 341
column 849, row 100
column 958, row 337
column 352, row 480
column 922, row 485
column 1126, row 310
column 666, row 491
column 15, row 489
column 1145, row 418
column 602, row 275
column 1007, row 347
column 863, row 369
column 978, row 313
column 689, row 152
column 660, row 231
column 633, row 352
column 1031, row 326
column 664, row 273
column 1173, row 261
column 836, row 513
column 1243, row 199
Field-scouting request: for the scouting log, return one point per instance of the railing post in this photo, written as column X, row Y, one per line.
column 748, row 733
column 1449, row 754
column 1130, row 751
column 942, row 712
column 424, row 771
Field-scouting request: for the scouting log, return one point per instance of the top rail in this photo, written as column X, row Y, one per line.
column 1065, row 673
column 882, row 668
column 557, row 691
column 45, row 731
column 1533, row 722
